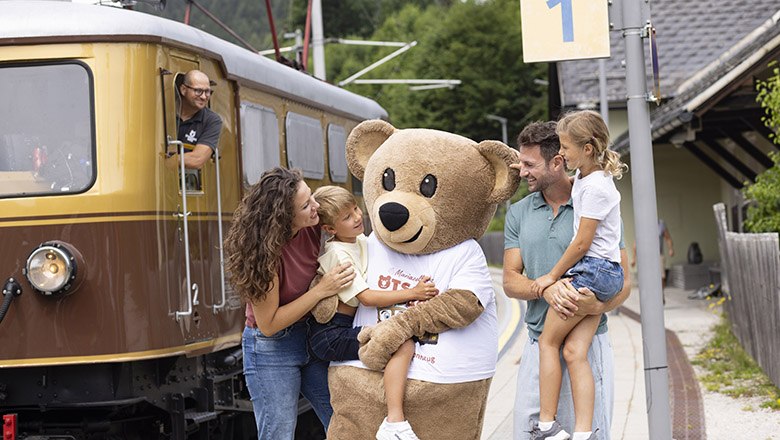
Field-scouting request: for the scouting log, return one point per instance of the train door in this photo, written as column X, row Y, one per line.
column 188, row 200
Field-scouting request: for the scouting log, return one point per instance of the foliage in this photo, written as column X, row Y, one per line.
column 477, row 43
column 764, row 214
column 248, row 19
column 731, row 371
column 356, row 18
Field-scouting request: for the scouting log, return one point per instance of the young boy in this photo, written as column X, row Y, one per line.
column 336, row 340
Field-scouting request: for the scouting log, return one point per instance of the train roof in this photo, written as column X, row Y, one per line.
column 39, row 22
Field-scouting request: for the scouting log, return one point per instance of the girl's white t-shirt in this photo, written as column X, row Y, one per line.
column 596, row 197
column 458, row 355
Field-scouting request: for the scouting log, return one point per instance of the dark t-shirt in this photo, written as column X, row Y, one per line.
column 202, row 128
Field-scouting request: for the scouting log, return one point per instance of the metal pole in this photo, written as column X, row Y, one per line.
column 604, row 103
column 646, row 224
column 318, row 42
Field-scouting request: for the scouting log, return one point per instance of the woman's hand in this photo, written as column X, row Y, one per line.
column 336, row 279
column 424, row 290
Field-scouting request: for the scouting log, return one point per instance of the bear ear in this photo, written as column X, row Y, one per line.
column 500, row 157
column 363, row 140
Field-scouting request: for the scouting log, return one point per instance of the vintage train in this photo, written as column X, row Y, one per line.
column 116, row 320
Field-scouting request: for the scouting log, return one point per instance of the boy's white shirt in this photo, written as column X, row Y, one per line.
column 339, row 252
column 596, row 197
column 460, row 355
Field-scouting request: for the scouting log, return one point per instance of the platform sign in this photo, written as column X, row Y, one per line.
column 558, row 30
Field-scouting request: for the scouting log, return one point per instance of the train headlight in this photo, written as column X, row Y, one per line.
column 53, row 268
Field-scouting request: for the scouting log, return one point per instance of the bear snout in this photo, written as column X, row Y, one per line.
column 393, row 216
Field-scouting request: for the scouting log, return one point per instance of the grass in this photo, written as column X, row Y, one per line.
column 731, row 371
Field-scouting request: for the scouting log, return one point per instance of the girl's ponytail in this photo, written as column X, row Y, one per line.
column 612, row 164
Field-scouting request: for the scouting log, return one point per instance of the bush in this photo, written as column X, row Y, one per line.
column 764, row 214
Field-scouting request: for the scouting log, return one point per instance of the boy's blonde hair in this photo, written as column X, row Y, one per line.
column 333, row 200
column 587, row 127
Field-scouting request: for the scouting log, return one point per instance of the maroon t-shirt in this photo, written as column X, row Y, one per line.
column 297, row 268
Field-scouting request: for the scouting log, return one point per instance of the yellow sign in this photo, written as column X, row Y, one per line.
column 558, row 30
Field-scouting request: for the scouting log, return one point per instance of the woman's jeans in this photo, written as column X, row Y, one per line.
column 277, row 368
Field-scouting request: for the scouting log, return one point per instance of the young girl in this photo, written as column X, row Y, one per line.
column 592, row 260
column 336, row 340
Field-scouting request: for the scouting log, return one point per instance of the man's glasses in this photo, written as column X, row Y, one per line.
column 200, row 92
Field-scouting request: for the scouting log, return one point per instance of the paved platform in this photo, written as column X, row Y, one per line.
column 684, row 319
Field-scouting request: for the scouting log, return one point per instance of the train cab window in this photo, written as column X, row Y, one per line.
column 193, row 178
column 259, row 141
column 337, row 153
column 305, row 145
column 47, row 135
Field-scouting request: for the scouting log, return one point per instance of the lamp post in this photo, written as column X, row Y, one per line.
column 502, row 121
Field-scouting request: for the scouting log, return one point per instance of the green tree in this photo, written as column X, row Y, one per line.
column 764, row 214
column 477, row 43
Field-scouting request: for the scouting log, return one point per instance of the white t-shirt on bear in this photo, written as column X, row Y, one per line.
column 458, row 355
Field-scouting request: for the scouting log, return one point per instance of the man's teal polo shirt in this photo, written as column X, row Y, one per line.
column 529, row 226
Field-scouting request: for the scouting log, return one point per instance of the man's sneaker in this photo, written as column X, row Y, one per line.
column 593, row 435
column 398, row 431
column 554, row 433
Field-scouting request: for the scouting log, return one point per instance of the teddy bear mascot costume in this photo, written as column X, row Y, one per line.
column 429, row 194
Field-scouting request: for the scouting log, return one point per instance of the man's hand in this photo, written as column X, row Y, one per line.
column 588, row 304
column 567, row 301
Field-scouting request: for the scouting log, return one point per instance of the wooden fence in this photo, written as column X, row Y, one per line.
column 750, row 277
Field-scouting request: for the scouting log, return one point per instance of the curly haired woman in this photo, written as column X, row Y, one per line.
column 272, row 250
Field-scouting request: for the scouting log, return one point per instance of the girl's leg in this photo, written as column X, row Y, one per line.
column 575, row 352
column 395, row 381
column 555, row 331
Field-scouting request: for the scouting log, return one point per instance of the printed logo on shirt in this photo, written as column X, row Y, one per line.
column 192, row 136
column 399, row 280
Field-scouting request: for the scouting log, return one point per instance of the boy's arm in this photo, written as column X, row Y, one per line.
column 424, row 290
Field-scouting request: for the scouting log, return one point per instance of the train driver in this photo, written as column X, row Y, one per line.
column 198, row 126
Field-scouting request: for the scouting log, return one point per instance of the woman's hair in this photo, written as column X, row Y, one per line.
column 333, row 200
column 261, row 226
column 587, row 127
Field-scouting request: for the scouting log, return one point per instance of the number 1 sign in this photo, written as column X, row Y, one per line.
column 557, row 30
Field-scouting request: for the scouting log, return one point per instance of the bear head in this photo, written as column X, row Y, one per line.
column 427, row 190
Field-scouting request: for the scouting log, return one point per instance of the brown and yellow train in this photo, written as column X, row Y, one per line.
column 116, row 320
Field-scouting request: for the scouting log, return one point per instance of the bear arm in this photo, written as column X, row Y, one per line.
column 451, row 309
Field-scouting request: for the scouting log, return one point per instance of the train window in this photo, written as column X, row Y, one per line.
column 337, row 153
column 259, row 141
column 305, row 145
column 47, row 140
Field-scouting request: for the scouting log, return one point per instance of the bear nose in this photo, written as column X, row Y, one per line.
column 393, row 216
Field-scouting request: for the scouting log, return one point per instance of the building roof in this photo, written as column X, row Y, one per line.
column 690, row 36
column 707, row 86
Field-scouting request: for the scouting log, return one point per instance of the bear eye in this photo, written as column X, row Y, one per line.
column 428, row 186
column 388, row 179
